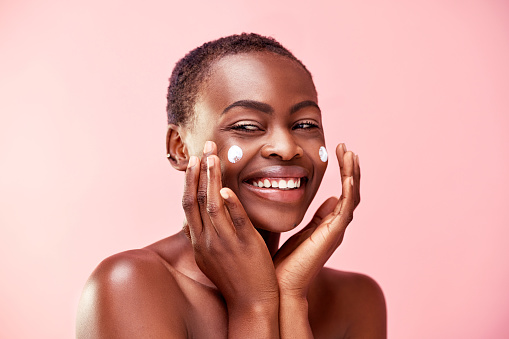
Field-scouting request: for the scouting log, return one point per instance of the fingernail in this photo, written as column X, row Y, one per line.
column 344, row 148
column 192, row 161
column 351, row 181
column 224, row 193
column 208, row 147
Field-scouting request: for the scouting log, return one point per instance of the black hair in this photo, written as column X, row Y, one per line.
column 190, row 72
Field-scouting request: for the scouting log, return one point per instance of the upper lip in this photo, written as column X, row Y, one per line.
column 278, row 172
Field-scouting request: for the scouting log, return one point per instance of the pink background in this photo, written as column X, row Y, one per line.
column 420, row 91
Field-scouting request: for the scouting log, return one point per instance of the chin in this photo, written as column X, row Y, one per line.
column 282, row 222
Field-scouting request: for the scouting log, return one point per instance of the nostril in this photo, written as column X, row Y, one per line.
column 286, row 150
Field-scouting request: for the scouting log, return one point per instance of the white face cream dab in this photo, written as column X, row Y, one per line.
column 234, row 154
column 322, row 152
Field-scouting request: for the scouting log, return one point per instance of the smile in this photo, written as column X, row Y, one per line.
column 277, row 183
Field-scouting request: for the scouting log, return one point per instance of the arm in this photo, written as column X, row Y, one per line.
column 230, row 252
column 302, row 257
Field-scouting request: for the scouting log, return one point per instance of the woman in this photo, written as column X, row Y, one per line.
column 245, row 126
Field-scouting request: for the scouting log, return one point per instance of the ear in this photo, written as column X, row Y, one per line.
column 175, row 148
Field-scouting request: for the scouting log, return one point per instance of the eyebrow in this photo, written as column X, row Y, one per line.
column 303, row 104
column 257, row 105
column 266, row 108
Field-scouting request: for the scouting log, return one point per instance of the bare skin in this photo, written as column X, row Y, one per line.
column 224, row 275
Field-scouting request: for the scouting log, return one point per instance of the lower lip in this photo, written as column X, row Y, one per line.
column 277, row 195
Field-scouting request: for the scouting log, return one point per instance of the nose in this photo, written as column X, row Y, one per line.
column 283, row 145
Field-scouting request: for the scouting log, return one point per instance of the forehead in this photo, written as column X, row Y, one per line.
column 261, row 76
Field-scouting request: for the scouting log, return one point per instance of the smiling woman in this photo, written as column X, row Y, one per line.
column 224, row 275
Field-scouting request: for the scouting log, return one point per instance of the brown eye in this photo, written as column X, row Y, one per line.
column 305, row 125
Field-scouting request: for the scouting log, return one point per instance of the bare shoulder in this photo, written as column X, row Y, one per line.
column 132, row 294
column 347, row 304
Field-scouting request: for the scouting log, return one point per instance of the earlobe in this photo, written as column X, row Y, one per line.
column 175, row 148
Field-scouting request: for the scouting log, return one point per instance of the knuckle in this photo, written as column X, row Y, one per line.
column 347, row 216
column 239, row 221
column 232, row 206
column 213, row 248
column 201, row 196
column 187, row 202
column 213, row 208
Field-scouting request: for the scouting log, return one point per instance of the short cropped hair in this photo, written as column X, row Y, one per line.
column 192, row 70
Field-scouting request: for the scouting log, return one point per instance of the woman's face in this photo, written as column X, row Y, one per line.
column 265, row 104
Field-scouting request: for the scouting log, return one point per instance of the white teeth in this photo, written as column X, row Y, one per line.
column 282, row 184
column 291, row 184
column 277, row 183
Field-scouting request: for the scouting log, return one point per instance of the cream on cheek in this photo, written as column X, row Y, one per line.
column 322, row 152
column 234, row 154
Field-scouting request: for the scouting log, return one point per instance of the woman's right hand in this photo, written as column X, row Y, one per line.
column 227, row 248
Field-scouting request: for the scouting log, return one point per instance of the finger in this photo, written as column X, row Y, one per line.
column 201, row 195
column 344, row 209
column 340, row 153
column 357, row 181
column 238, row 215
column 339, row 224
column 345, row 160
column 215, row 205
column 189, row 199
column 348, row 159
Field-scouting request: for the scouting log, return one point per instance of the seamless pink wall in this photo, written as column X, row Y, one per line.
column 420, row 91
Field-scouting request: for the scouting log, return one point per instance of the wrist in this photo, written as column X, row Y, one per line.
column 293, row 294
column 254, row 319
column 295, row 302
column 294, row 317
column 254, row 307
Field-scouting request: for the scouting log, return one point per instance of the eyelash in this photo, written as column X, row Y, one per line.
column 250, row 128
column 308, row 124
column 244, row 127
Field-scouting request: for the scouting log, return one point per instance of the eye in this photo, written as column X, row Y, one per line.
column 245, row 127
column 305, row 125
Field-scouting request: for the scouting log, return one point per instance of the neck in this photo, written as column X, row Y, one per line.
column 271, row 240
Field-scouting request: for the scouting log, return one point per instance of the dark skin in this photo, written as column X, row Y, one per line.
column 224, row 275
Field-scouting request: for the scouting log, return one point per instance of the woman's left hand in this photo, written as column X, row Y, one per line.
column 301, row 258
